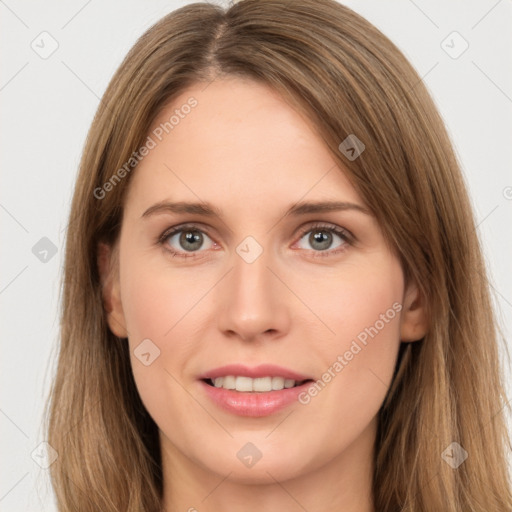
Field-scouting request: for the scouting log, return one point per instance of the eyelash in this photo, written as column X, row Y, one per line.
column 344, row 234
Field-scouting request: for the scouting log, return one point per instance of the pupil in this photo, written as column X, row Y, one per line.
column 191, row 237
column 322, row 238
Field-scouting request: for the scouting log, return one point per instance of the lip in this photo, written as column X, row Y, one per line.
column 262, row 370
column 253, row 404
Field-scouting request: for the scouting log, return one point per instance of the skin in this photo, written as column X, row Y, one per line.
column 247, row 152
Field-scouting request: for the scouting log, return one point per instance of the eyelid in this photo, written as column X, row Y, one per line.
column 182, row 227
column 340, row 231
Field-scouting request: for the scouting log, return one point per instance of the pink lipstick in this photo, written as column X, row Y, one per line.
column 253, row 391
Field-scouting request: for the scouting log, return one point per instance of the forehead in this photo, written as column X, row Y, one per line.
column 240, row 142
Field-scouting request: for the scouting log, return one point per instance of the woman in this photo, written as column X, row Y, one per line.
column 274, row 294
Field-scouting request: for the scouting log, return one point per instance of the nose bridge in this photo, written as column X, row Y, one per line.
column 250, row 302
column 251, row 279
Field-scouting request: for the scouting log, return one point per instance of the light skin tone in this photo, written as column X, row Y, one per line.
column 300, row 305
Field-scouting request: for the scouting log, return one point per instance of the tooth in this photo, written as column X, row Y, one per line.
column 259, row 384
column 277, row 383
column 289, row 383
column 229, row 382
column 262, row 384
column 243, row 383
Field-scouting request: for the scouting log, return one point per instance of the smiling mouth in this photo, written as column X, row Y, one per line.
column 244, row 384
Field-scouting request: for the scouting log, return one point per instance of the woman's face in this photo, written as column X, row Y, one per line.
column 255, row 295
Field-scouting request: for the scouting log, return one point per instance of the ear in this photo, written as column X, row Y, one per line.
column 108, row 266
column 413, row 321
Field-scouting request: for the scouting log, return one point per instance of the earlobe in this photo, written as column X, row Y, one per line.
column 109, row 278
column 414, row 323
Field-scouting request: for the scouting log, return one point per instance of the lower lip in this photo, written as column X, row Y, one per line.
column 256, row 403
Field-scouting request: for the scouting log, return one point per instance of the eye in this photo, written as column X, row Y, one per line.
column 186, row 241
column 181, row 240
column 321, row 238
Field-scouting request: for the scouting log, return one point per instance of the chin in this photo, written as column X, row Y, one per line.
column 266, row 469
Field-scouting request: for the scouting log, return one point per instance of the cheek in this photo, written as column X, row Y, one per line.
column 368, row 323
column 362, row 304
column 358, row 359
column 155, row 312
column 157, row 302
column 152, row 309
column 161, row 309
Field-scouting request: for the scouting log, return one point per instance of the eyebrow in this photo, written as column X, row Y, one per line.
column 297, row 209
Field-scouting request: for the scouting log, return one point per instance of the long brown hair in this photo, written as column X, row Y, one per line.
column 347, row 78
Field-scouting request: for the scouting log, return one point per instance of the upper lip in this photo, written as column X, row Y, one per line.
column 262, row 370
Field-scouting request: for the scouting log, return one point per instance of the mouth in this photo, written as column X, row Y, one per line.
column 258, row 392
column 243, row 384
column 253, row 390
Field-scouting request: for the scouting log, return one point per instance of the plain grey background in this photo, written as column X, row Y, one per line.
column 48, row 102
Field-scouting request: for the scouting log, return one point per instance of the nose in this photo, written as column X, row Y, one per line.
column 252, row 302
